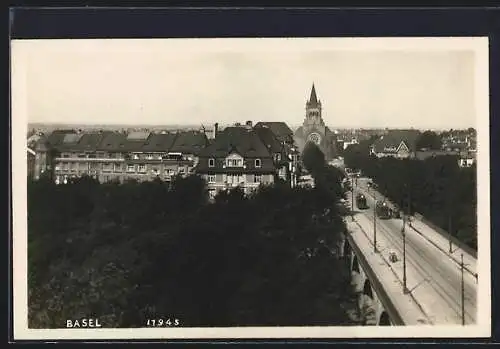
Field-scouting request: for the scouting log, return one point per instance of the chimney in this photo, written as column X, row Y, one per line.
column 216, row 129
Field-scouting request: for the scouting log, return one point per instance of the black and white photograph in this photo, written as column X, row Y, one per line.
column 251, row 188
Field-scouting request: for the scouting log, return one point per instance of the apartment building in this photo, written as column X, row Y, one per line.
column 238, row 157
column 108, row 155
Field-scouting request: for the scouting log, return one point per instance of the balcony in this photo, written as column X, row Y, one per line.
column 77, row 159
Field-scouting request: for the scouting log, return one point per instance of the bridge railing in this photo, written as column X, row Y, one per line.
column 386, row 301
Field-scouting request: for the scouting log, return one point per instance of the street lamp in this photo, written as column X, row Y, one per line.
column 462, row 288
column 405, row 288
column 375, row 227
column 352, row 199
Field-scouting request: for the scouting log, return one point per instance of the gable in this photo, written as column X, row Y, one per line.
column 403, row 147
column 234, row 156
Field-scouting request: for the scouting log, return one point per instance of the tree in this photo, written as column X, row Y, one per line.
column 429, row 140
column 435, row 187
column 132, row 251
column 313, row 158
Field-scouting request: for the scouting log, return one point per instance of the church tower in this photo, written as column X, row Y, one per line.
column 313, row 110
column 314, row 129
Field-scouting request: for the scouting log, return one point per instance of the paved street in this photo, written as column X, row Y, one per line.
column 433, row 277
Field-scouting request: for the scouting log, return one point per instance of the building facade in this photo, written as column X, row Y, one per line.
column 396, row 143
column 115, row 156
column 238, row 157
column 314, row 129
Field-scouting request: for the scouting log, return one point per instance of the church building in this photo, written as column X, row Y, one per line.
column 314, row 129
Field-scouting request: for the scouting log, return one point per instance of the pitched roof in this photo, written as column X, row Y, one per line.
column 90, row 141
column 56, row 137
column 112, row 141
column 269, row 139
column 138, row 135
column 159, row 142
column 189, row 142
column 279, row 128
column 244, row 141
column 393, row 138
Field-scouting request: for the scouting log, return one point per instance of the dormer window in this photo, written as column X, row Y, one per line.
column 211, row 162
column 257, row 163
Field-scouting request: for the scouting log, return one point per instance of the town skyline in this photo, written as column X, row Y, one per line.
column 163, row 82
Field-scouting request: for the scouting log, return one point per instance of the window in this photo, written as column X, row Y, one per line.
column 149, row 156
column 65, row 155
column 257, row 178
column 142, row 168
column 155, row 171
column 117, row 168
column 211, row 178
column 257, row 163
column 106, row 167
column 211, row 162
column 92, row 156
column 234, row 162
column 130, row 168
column 135, row 156
column 232, row 179
column 212, row 193
column 100, row 155
column 58, row 167
column 181, row 170
column 169, row 172
column 82, row 156
column 65, row 166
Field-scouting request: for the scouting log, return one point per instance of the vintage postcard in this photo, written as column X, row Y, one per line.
column 251, row 188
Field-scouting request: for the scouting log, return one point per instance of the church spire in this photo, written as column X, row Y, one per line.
column 313, row 100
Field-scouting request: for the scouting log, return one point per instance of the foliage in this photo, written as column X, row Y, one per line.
column 435, row 187
column 127, row 252
column 429, row 140
column 327, row 178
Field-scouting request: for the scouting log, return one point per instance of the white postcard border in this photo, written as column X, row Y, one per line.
column 19, row 191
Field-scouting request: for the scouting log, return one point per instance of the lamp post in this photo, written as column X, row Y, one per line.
column 463, row 290
column 375, row 228
column 450, row 202
column 449, row 232
column 405, row 288
column 352, row 199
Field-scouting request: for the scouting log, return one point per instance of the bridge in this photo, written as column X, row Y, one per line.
column 424, row 284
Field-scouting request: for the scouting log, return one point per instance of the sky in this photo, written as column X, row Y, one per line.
column 203, row 81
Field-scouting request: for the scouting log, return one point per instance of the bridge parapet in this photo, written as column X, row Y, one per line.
column 380, row 300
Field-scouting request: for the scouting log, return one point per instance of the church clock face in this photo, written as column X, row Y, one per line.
column 315, row 138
